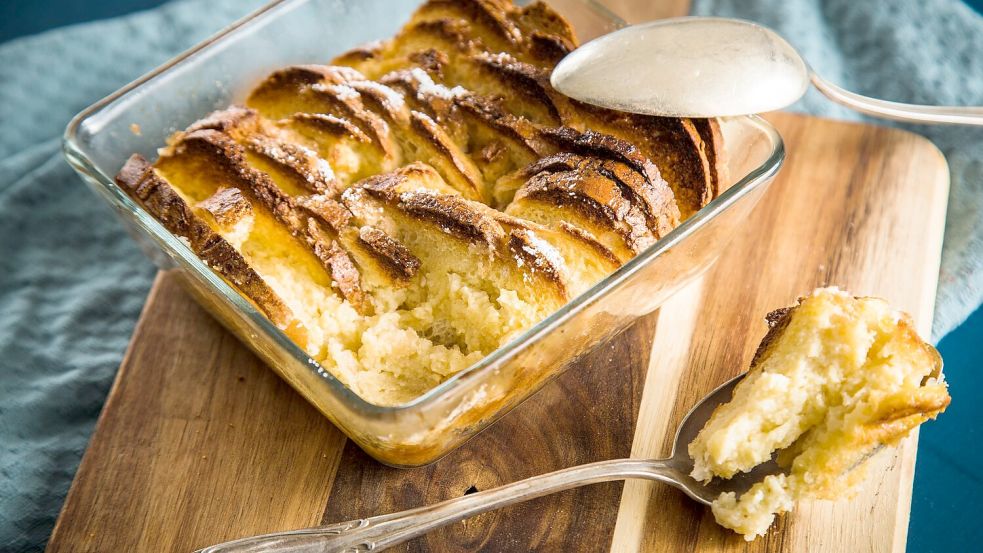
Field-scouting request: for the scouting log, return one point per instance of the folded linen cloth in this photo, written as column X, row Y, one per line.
column 72, row 282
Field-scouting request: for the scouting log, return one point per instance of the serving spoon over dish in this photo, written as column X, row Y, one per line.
column 714, row 67
column 376, row 533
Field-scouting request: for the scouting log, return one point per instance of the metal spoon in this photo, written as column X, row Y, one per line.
column 713, row 67
column 376, row 533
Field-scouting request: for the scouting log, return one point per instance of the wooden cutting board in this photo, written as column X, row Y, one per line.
column 200, row 443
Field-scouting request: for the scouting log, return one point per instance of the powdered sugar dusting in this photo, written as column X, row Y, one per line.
column 393, row 100
column 546, row 250
column 427, row 87
column 501, row 58
column 342, row 91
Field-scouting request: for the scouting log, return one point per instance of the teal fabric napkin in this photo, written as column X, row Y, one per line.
column 72, row 282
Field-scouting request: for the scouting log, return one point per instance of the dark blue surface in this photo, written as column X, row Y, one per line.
column 948, row 481
column 26, row 17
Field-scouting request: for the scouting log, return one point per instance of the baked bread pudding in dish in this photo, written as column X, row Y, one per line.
column 835, row 379
column 408, row 209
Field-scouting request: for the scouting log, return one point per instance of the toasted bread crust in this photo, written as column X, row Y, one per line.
column 344, row 273
column 488, row 14
column 397, row 258
column 139, row 179
column 454, row 214
column 310, row 171
column 538, row 255
column 328, row 210
column 228, row 158
column 323, row 122
column 227, row 206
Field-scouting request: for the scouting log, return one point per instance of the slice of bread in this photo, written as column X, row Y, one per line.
column 139, row 178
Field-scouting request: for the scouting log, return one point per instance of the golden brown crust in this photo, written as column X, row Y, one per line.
column 777, row 322
column 713, row 146
column 328, row 210
column 688, row 152
column 535, row 32
column 453, row 164
column 638, row 177
column 226, row 120
column 320, row 89
column 531, row 82
column 517, row 130
column 225, row 157
column 411, row 46
column 392, row 255
column 328, row 124
column 539, row 17
column 396, row 204
column 374, row 108
column 674, row 145
column 538, row 255
column 455, row 215
column 577, row 243
column 302, row 164
column 345, row 147
column 422, row 94
column 298, row 149
column 597, row 248
column 550, row 37
column 490, row 15
column 344, row 273
column 359, row 55
column 430, row 60
column 139, row 180
column 383, row 100
column 567, row 181
column 227, row 207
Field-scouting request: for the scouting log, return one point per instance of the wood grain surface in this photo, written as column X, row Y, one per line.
column 199, row 443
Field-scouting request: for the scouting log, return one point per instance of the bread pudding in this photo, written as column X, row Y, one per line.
column 409, row 208
column 835, row 379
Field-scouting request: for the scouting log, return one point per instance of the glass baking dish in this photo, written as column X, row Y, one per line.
column 139, row 117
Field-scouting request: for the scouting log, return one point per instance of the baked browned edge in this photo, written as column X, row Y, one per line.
column 141, row 182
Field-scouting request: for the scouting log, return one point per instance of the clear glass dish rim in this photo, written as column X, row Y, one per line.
column 81, row 163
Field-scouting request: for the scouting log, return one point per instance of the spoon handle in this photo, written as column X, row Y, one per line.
column 373, row 534
column 910, row 113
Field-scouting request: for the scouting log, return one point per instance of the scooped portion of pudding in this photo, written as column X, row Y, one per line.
column 836, row 378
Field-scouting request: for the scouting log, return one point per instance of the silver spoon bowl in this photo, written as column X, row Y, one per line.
column 376, row 533
column 714, row 67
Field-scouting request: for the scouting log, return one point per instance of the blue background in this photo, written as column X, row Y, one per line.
column 947, row 478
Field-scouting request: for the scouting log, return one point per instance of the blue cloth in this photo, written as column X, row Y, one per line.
column 72, row 282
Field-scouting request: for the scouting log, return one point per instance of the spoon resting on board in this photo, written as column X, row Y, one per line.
column 714, row 67
column 380, row 532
